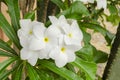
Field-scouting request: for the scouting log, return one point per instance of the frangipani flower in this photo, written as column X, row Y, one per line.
column 73, row 35
column 29, row 55
column 62, row 54
column 70, row 39
column 25, row 33
column 44, row 40
column 69, row 29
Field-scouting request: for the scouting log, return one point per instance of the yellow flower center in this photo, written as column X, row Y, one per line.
column 30, row 32
column 63, row 50
column 46, row 39
column 70, row 35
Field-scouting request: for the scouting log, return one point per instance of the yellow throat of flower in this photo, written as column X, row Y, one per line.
column 30, row 32
column 46, row 39
column 63, row 50
column 70, row 35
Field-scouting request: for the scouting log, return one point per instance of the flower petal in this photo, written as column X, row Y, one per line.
column 25, row 24
column 54, row 52
column 25, row 54
column 62, row 19
column 38, row 29
column 44, row 54
column 53, row 19
column 36, row 44
column 33, row 60
column 71, row 55
column 53, row 31
column 61, row 60
column 101, row 4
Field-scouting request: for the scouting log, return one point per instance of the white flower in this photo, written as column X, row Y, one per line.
column 73, row 35
column 25, row 33
column 29, row 55
column 62, row 54
column 44, row 40
column 69, row 29
column 101, row 4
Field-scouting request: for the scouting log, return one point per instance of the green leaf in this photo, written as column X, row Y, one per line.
column 32, row 73
column 30, row 15
column 18, row 73
column 44, row 74
column 5, row 74
column 67, row 74
column 86, row 53
column 8, row 30
column 112, row 9
column 59, row 3
column 6, row 63
column 75, row 10
column 88, row 67
column 96, row 27
column 99, row 56
column 114, row 19
column 6, row 47
column 14, row 13
column 86, row 36
column 3, row 53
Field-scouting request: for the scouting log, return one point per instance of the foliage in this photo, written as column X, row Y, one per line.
column 85, row 65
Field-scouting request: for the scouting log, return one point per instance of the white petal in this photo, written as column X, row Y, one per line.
column 38, row 29
column 91, row 1
column 32, row 60
column 25, row 25
column 53, row 19
column 74, row 25
column 101, row 4
column 71, row 55
column 62, row 19
column 24, row 42
column 25, row 54
column 36, row 44
column 85, row 1
column 54, row 52
column 61, row 40
column 67, row 40
column 20, row 33
column 44, row 54
column 53, row 31
column 73, row 48
column 61, row 60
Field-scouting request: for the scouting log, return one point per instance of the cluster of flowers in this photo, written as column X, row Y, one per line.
column 100, row 3
column 59, row 41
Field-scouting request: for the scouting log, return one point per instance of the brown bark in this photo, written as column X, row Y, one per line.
column 26, row 6
column 1, row 33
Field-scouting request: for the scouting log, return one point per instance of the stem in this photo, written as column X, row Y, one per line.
column 112, row 54
column 42, row 6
